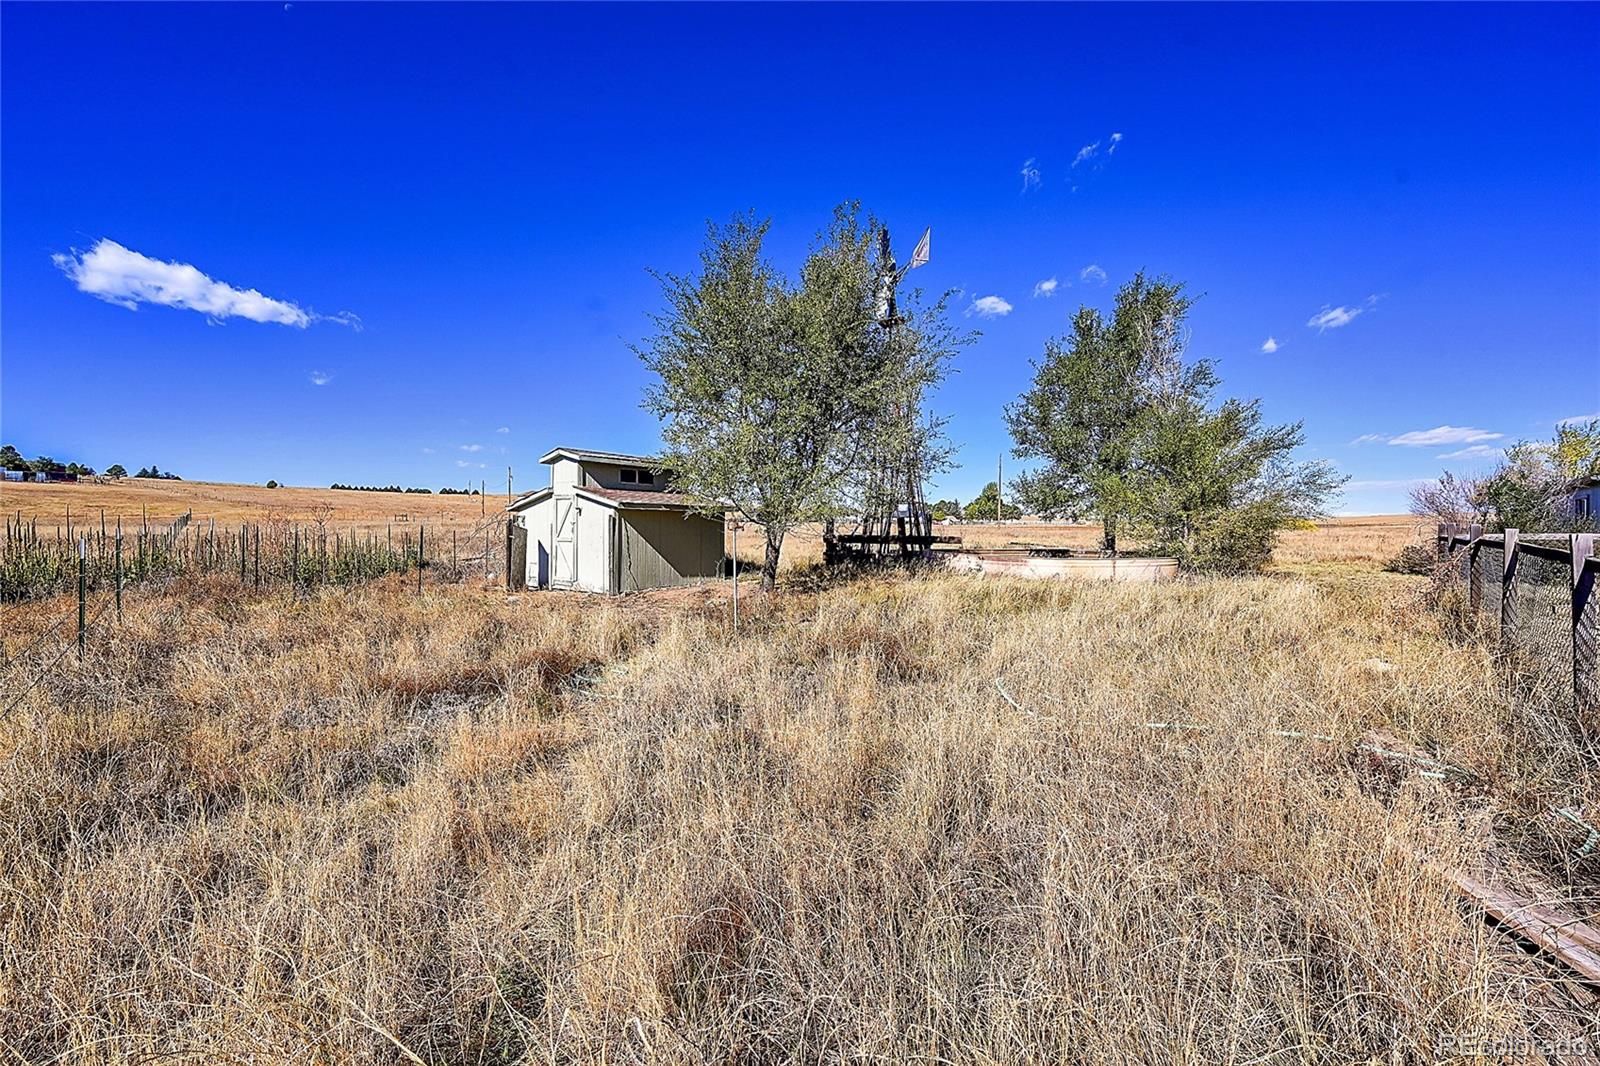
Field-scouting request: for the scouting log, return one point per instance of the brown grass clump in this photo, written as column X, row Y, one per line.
column 894, row 819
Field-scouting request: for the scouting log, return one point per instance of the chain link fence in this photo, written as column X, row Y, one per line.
column 1543, row 610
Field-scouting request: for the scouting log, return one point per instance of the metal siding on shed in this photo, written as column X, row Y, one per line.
column 662, row 548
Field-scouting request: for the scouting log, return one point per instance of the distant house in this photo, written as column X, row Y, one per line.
column 1583, row 498
column 611, row 523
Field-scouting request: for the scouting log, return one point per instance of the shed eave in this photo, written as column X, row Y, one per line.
column 528, row 499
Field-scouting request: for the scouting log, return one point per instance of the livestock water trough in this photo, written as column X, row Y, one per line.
column 1027, row 561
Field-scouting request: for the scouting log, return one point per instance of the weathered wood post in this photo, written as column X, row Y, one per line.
column 422, row 533
column 508, row 555
column 1474, row 581
column 83, row 592
column 1508, row 592
column 1584, row 611
column 119, row 571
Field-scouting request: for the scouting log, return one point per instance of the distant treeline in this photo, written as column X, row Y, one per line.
column 45, row 468
column 397, row 488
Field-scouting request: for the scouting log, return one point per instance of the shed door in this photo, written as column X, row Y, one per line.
column 564, row 543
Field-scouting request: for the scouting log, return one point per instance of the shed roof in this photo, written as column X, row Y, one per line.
column 644, row 499
column 590, row 455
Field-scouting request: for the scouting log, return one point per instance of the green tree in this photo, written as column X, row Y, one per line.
column 11, row 459
column 982, row 509
column 272, row 484
column 1128, row 432
column 1083, row 414
column 46, row 465
column 771, row 391
column 116, row 471
column 1212, row 486
column 943, row 509
column 1530, row 489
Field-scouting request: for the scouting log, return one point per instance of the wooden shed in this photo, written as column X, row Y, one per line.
column 611, row 523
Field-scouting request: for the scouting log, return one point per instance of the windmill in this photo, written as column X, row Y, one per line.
column 896, row 513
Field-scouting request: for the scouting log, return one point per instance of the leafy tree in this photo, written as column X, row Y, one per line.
column 46, row 465
column 145, row 471
column 11, row 459
column 1212, row 486
column 116, row 471
column 1575, row 451
column 1090, row 391
column 1128, row 432
column 943, row 509
column 272, row 484
column 1531, row 488
column 982, row 509
column 771, row 390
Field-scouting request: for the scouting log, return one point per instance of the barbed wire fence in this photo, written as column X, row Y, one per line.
column 269, row 558
column 1536, row 594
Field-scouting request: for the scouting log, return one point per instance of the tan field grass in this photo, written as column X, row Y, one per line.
column 162, row 500
column 899, row 818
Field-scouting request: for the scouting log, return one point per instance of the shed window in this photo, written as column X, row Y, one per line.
column 632, row 475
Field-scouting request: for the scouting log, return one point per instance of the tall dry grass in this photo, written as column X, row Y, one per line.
column 471, row 828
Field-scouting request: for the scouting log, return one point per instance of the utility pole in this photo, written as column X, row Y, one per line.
column 999, row 473
column 508, row 484
column 483, row 507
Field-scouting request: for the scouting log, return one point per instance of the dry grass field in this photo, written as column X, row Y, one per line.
column 897, row 818
column 162, row 501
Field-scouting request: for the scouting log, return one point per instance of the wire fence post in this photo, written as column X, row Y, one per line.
column 83, row 593
column 1474, row 580
column 422, row 533
column 1583, row 626
column 119, row 571
column 1508, row 592
column 258, row 557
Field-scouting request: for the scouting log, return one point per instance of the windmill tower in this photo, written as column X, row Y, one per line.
column 896, row 516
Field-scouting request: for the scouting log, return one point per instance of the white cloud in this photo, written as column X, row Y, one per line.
column 320, row 377
column 472, row 447
column 1475, row 451
column 1270, row 345
column 1031, row 178
column 426, row 450
column 121, row 276
column 1396, row 483
column 1578, row 420
column 1046, row 288
column 1086, row 153
column 1093, row 274
column 468, row 464
column 989, row 307
column 1111, row 149
column 1370, row 438
column 1441, row 435
column 503, row 429
column 1333, row 317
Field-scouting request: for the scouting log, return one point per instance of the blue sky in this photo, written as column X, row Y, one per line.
column 486, row 187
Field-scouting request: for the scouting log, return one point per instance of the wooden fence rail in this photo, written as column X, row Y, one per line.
column 1575, row 554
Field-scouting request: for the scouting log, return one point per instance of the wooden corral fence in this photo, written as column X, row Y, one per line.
column 1538, row 591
